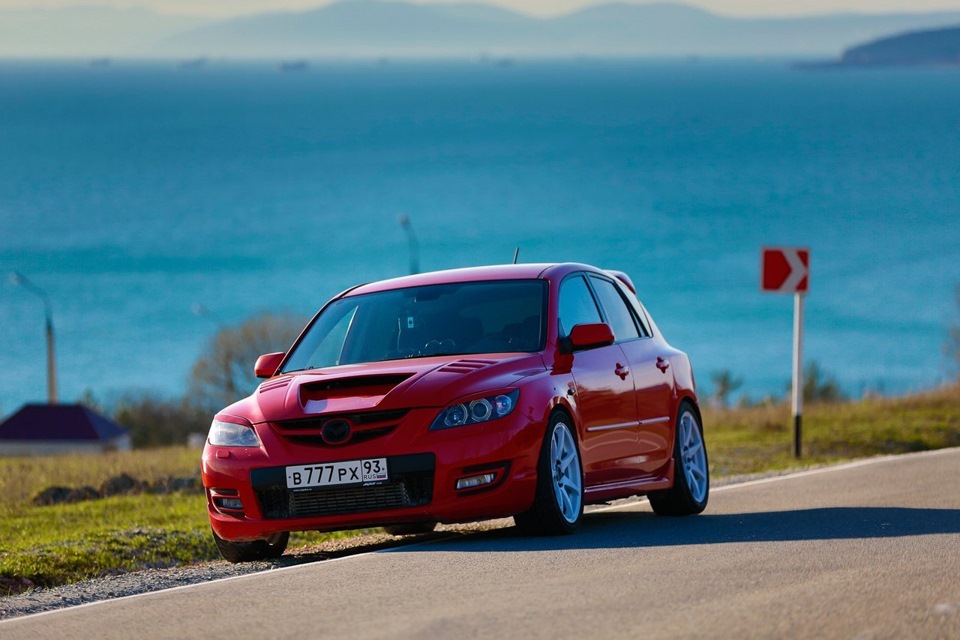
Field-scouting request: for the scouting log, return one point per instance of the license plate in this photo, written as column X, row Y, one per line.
column 337, row 473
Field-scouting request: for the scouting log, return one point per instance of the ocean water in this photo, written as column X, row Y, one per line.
column 132, row 192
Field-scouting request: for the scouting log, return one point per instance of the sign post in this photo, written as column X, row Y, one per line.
column 797, row 401
column 787, row 270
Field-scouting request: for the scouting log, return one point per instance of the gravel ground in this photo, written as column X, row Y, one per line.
column 128, row 584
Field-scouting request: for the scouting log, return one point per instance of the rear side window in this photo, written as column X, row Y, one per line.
column 577, row 305
column 618, row 314
column 639, row 313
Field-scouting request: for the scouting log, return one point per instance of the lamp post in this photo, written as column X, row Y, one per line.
column 412, row 243
column 21, row 280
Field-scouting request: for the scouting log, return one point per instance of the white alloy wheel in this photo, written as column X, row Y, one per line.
column 565, row 466
column 693, row 456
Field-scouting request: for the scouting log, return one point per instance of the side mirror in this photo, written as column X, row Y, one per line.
column 267, row 364
column 585, row 336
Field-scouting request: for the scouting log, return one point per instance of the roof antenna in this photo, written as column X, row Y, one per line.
column 516, row 254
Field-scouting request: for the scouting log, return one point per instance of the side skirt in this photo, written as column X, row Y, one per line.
column 627, row 488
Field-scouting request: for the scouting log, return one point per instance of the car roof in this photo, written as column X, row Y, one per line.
column 524, row 271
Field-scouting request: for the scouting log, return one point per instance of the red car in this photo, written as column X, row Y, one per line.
column 521, row 390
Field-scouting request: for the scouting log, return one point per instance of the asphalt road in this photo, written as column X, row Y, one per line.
column 868, row 550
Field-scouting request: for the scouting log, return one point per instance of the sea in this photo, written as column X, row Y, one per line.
column 135, row 193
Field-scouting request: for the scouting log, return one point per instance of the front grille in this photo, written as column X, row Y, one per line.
column 355, row 437
column 410, row 485
column 366, row 426
column 281, row 503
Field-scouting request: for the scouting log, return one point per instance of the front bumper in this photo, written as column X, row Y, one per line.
column 247, row 496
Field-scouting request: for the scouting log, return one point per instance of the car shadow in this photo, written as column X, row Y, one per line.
column 609, row 530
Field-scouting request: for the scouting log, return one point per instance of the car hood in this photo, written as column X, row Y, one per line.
column 384, row 386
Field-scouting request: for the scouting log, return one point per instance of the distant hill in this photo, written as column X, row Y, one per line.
column 361, row 27
column 373, row 28
column 397, row 28
column 931, row 47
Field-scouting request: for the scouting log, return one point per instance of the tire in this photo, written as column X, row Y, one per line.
column 558, row 506
column 691, row 484
column 410, row 528
column 269, row 549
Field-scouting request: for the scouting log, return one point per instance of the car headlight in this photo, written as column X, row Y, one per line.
column 476, row 411
column 231, row 434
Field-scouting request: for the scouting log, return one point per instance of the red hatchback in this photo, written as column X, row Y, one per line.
column 520, row 390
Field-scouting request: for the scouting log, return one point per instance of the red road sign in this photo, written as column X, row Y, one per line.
column 785, row 269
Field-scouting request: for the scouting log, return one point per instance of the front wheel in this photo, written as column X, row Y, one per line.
column 558, row 506
column 269, row 549
column 691, row 482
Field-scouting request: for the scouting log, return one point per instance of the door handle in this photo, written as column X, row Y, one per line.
column 622, row 371
column 662, row 364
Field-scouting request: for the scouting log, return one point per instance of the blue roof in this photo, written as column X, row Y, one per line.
column 59, row 422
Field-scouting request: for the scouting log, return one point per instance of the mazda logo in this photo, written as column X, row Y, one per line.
column 335, row 431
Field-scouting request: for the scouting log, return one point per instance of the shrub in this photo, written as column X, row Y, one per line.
column 158, row 422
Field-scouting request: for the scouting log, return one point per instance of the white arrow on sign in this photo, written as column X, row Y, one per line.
column 798, row 270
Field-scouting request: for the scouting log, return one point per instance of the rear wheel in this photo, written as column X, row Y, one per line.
column 269, row 549
column 691, row 483
column 558, row 506
column 410, row 528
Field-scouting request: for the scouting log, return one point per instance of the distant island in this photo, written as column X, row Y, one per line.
column 937, row 47
column 404, row 29
column 464, row 29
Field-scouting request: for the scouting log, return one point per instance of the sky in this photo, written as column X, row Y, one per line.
column 753, row 8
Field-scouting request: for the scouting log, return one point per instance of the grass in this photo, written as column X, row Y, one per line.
column 53, row 545
column 66, row 543
column 761, row 438
column 47, row 546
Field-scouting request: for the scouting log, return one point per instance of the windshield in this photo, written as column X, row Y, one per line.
column 447, row 319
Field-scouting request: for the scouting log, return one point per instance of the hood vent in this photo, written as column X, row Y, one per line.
column 360, row 386
column 274, row 384
column 467, row 366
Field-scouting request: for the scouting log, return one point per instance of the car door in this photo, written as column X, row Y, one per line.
column 652, row 380
column 604, row 392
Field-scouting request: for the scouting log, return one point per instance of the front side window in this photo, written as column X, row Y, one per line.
column 577, row 305
column 504, row 316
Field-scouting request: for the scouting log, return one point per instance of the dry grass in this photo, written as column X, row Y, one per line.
column 23, row 478
column 761, row 438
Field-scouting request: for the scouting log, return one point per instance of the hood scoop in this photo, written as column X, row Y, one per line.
column 274, row 384
column 466, row 366
column 342, row 393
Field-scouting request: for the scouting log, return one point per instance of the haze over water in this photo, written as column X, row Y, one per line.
column 131, row 192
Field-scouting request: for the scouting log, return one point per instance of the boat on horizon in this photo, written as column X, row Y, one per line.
column 294, row 65
column 193, row 63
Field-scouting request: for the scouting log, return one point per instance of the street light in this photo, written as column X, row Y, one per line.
column 21, row 280
column 412, row 243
